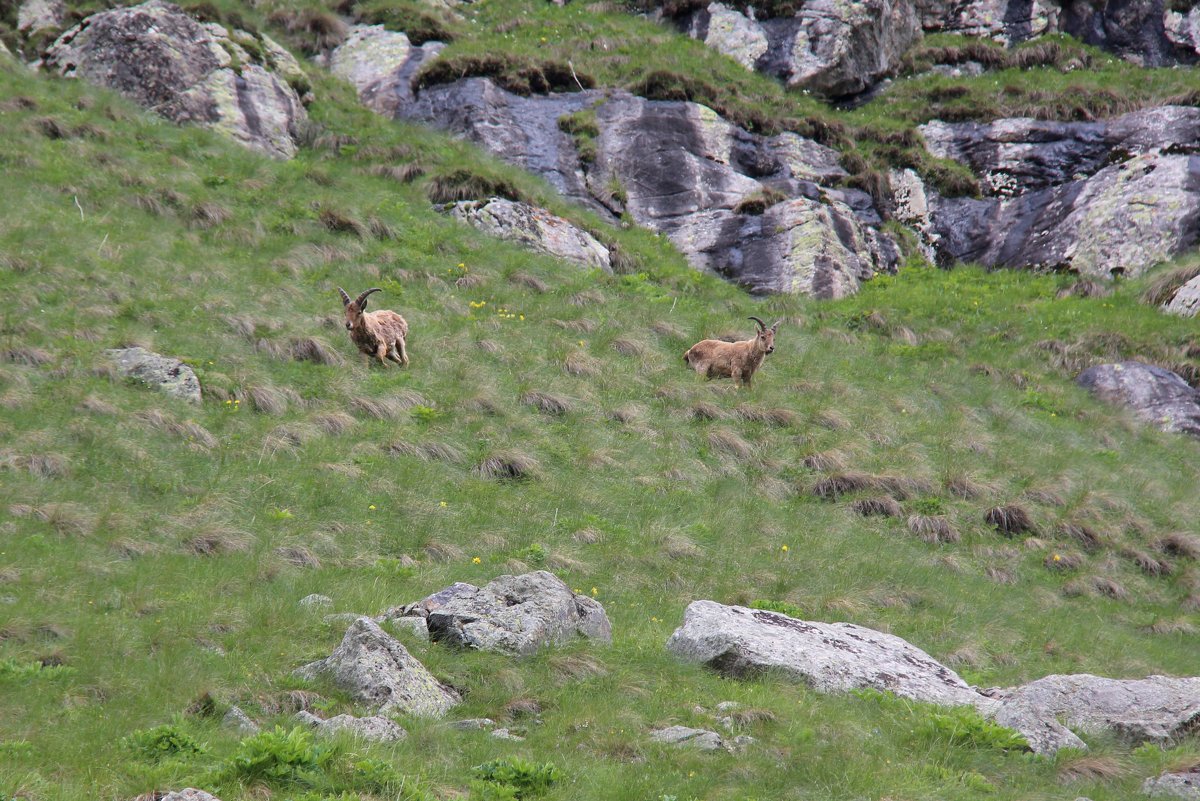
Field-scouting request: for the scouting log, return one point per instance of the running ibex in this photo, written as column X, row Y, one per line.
column 377, row 333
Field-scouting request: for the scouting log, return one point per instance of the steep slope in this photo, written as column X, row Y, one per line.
column 154, row 554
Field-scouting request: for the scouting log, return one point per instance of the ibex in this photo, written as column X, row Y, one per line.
column 736, row 360
column 377, row 333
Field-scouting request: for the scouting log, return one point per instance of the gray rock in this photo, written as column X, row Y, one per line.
column 1132, row 29
column 534, row 228
column 1183, row 30
column 1121, row 221
column 380, row 64
column 837, row 48
column 518, row 615
column 829, row 657
column 1186, row 301
column 700, row 739
column 316, row 600
column 1007, row 21
column 505, row 734
column 189, row 794
column 1174, row 785
column 415, row 626
column 1155, row 395
column 1044, row 733
column 1153, row 709
column 188, row 72
column 39, row 15
column 239, row 721
column 471, row 724
column 169, row 375
column 375, row 669
column 681, row 169
column 374, row 728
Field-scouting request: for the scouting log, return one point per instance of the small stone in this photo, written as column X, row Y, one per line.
column 189, row 794
column 239, row 721
column 376, row 728
column 701, row 739
column 473, row 723
column 316, row 600
column 505, row 734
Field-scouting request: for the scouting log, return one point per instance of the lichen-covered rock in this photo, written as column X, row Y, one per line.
column 378, row 729
column 1186, row 300
column 380, row 64
column 1154, row 709
column 188, row 72
column 837, row 48
column 1007, row 21
column 1155, row 395
column 1121, row 221
column 189, row 794
column 518, row 615
column 534, row 228
column 1183, row 29
column 375, row 669
column 237, row 720
column 829, row 657
column 682, row 736
column 681, row 169
column 316, row 601
column 1174, row 785
column 39, row 15
column 168, row 375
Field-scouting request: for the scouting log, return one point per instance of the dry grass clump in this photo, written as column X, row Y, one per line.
column 587, row 297
column 846, row 483
column 318, row 29
column 666, row 329
column 340, row 223
column 508, row 466
column 548, row 403
column 1096, row 585
column 1089, row 768
column 1000, row 575
column 588, row 536
column 628, row 347
column 217, row 541
column 1063, row 561
column 38, row 465
column 1085, row 288
column 962, row 487
column 626, row 414
column 703, row 410
column 529, row 282
column 299, row 556
column 268, row 400
column 464, row 184
column 726, row 441
column 94, row 405
column 312, row 349
column 825, row 461
column 680, row 546
column 1148, row 563
column 208, row 214
column 67, row 519
column 287, row 702
column 576, row 667
column 1086, row 536
column 581, row 365
column 879, row 506
column 378, row 408
column 934, row 529
column 427, row 451
column 401, row 173
column 833, row 420
column 443, row 552
column 490, row 347
column 27, row 355
column 1010, row 520
column 335, row 423
column 779, row 418
column 470, row 281
column 1181, row 626
column 1180, row 544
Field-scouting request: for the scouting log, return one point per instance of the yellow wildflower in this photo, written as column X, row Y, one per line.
column 476, row 560
column 371, row 507
column 442, row 504
column 783, row 548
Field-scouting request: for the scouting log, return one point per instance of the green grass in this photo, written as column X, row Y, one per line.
column 155, row 553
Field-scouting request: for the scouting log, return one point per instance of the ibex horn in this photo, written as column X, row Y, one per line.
column 345, row 297
column 776, row 326
column 761, row 325
column 361, row 300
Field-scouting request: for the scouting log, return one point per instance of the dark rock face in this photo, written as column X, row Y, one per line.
column 1133, row 29
column 1155, row 395
column 1104, row 199
column 837, row 48
column 681, row 169
column 1009, row 21
column 167, row 62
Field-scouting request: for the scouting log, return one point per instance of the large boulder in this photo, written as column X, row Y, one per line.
column 534, row 228
column 829, row 657
column 189, row 72
column 839, row 657
column 375, row 669
column 1155, row 395
column 41, row 15
column 164, row 373
column 380, row 64
column 513, row 614
column 1154, row 709
column 1008, row 21
column 837, row 48
column 1174, row 785
column 681, row 169
column 1186, row 300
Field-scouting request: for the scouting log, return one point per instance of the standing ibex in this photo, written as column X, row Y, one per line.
column 736, row 360
column 377, row 333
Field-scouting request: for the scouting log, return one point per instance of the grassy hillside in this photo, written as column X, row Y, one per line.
column 152, row 554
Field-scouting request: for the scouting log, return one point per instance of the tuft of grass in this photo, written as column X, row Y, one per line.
column 516, row 74
column 547, row 402
column 1010, row 520
column 879, row 506
column 466, row 184
column 508, row 465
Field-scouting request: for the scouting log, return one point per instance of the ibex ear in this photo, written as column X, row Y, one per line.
column 776, row 326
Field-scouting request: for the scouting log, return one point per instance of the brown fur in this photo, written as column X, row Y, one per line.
column 736, row 360
column 379, row 333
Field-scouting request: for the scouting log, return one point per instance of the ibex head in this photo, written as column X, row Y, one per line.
column 766, row 336
column 355, row 308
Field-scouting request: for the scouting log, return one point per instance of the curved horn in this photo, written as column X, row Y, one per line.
column 776, row 326
column 761, row 325
column 361, row 300
column 345, row 297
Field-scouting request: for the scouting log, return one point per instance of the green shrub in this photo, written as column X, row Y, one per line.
column 281, row 757
column 162, row 742
column 12, row 669
column 513, row 778
column 963, row 726
column 929, row 506
column 782, row 607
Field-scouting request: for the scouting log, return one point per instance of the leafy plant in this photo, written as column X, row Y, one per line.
column 964, row 726
column 513, row 778
column 162, row 742
column 12, row 669
column 281, row 757
column 929, row 506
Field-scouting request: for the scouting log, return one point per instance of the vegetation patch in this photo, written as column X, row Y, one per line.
column 521, row 76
